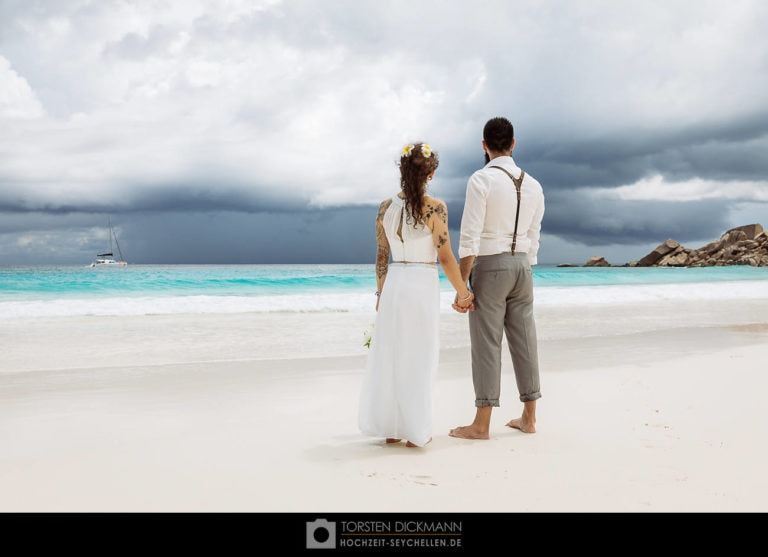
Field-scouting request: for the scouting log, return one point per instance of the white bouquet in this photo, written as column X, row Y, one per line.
column 368, row 335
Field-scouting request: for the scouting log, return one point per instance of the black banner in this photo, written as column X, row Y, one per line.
column 373, row 533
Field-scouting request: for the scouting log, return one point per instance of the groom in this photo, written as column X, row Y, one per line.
column 499, row 242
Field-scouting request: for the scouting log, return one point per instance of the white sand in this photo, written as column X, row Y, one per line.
column 175, row 413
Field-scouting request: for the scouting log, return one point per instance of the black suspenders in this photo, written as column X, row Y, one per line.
column 518, row 184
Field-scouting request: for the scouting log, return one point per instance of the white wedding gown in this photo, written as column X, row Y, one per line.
column 396, row 396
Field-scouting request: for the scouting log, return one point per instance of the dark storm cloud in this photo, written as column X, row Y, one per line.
column 730, row 150
column 199, row 196
column 260, row 237
column 610, row 221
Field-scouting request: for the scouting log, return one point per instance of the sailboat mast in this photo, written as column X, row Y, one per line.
column 117, row 244
column 109, row 226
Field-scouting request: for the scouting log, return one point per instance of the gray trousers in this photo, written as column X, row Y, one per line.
column 503, row 288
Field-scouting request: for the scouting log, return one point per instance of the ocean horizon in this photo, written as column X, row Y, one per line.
column 34, row 291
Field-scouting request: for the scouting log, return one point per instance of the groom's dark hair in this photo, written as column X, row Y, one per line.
column 498, row 134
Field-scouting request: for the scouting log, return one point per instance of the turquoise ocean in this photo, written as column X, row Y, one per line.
column 135, row 289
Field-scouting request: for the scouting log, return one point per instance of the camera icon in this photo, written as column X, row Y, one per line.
column 321, row 534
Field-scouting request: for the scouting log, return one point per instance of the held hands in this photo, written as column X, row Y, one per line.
column 463, row 305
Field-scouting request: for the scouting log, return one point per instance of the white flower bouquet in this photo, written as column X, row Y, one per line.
column 368, row 335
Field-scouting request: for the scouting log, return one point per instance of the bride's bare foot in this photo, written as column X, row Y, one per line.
column 468, row 432
column 409, row 444
column 523, row 425
column 391, row 440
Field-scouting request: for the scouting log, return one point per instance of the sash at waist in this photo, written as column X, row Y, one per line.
column 429, row 263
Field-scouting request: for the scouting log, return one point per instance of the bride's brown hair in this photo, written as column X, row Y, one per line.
column 417, row 162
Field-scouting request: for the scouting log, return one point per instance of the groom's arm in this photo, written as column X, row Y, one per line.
column 465, row 266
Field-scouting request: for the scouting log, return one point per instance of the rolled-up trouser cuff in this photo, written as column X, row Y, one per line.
column 482, row 403
column 529, row 397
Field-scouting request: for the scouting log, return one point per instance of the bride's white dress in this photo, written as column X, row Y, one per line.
column 396, row 396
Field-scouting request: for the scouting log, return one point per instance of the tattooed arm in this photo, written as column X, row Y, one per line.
column 436, row 217
column 382, row 249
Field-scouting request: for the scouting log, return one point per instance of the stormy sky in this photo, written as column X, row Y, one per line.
column 247, row 131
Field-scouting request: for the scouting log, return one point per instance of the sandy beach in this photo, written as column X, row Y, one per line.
column 197, row 414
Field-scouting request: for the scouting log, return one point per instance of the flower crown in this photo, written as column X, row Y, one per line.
column 426, row 150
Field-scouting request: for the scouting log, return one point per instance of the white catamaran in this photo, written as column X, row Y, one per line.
column 108, row 257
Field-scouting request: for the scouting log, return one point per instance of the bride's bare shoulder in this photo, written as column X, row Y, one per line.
column 435, row 207
column 383, row 207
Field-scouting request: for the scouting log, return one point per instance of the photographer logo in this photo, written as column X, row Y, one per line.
column 321, row 534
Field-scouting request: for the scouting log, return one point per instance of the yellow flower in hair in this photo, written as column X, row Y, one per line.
column 406, row 152
column 426, row 150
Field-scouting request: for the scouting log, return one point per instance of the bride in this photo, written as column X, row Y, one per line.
column 412, row 230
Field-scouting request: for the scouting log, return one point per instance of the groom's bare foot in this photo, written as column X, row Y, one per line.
column 468, row 432
column 391, row 440
column 522, row 425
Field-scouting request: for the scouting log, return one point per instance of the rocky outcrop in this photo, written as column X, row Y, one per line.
column 743, row 245
column 597, row 261
column 656, row 255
